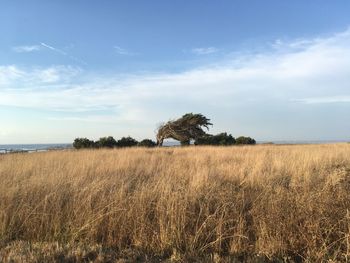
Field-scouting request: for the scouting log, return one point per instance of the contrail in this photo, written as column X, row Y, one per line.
column 54, row 49
column 63, row 53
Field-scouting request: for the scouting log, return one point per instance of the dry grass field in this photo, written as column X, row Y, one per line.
column 201, row 204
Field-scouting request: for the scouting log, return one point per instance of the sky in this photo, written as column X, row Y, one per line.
column 273, row 70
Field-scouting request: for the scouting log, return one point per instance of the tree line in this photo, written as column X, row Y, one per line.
column 221, row 139
column 110, row 142
column 185, row 129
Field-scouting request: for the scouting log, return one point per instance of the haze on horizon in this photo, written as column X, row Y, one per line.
column 271, row 70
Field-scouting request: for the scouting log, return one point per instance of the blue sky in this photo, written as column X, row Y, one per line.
column 273, row 70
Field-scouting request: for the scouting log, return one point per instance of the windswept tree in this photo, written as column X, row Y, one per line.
column 188, row 127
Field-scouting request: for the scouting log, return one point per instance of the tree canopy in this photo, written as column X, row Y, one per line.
column 106, row 142
column 127, row 142
column 147, row 143
column 245, row 140
column 80, row 143
column 218, row 139
column 188, row 127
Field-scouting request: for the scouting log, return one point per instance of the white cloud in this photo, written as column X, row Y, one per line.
column 49, row 75
column 123, row 51
column 324, row 100
column 32, row 48
column 295, row 44
column 235, row 93
column 15, row 78
column 8, row 74
column 26, row 49
column 204, row 50
column 321, row 69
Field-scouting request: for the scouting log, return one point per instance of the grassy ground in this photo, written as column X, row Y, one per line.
column 254, row 203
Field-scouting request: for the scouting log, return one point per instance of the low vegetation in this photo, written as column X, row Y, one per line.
column 245, row 140
column 110, row 142
column 203, row 203
column 185, row 129
column 223, row 139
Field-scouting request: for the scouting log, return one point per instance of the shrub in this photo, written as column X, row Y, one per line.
column 218, row 139
column 106, row 142
column 147, row 143
column 127, row 142
column 185, row 143
column 245, row 140
column 81, row 143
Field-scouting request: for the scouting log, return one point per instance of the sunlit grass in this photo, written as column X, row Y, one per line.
column 179, row 203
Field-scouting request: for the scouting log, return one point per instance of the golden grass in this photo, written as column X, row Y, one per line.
column 214, row 203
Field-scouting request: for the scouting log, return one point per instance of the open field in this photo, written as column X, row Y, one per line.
column 252, row 203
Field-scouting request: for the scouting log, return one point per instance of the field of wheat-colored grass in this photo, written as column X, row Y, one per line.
column 248, row 203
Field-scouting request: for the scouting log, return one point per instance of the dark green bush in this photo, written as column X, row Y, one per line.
column 185, row 143
column 245, row 140
column 147, row 143
column 127, row 142
column 81, row 143
column 218, row 139
column 106, row 142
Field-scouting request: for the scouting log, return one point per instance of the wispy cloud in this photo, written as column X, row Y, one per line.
column 14, row 77
column 204, row 50
column 295, row 44
column 26, row 49
column 321, row 69
column 9, row 74
column 324, row 100
column 123, row 51
column 56, row 74
column 255, row 92
column 89, row 118
column 61, row 52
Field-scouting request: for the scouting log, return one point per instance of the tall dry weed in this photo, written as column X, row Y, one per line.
column 273, row 202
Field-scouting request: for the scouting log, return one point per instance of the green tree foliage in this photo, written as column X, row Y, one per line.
column 184, row 129
column 106, row 142
column 127, row 142
column 245, row 140
column 185, row 142
column 147, row 143
column 80, row 143
column 218, row 139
